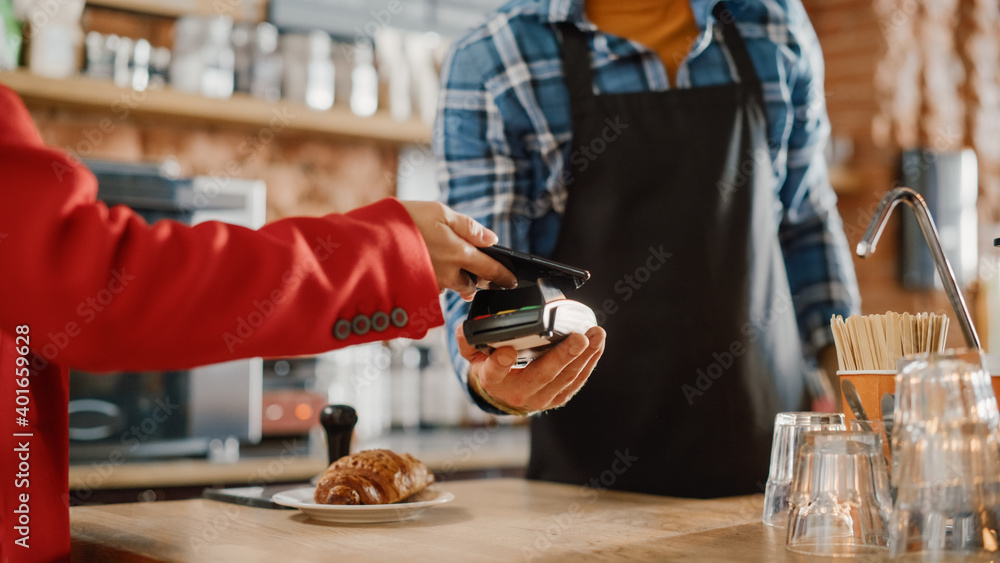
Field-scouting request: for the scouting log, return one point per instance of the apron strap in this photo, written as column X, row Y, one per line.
column 580, row 77
column 576, row 64
column 735, row 43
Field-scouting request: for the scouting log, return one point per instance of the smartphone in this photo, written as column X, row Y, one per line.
column 528, row 267
column 257, row 497
column 532, row 317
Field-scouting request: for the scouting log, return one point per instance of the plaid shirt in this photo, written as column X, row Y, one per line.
column 502, row 137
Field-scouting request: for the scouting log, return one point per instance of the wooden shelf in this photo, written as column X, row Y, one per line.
column 239, row 10
column 102, row 97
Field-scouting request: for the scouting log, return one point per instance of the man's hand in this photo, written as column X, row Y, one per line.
column 546, row 383
column 453, row 240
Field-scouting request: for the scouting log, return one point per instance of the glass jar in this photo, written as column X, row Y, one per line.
column 101, row 55
column 267, row 65
column 364, row 80
column 56, row 37
column 309, row 72
column 187, row 65
column 217, row 80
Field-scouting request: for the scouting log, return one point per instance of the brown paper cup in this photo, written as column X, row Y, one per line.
column 871, row 385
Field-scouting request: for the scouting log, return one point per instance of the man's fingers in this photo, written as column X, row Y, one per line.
column 582, row 365
column 566, row 394
column 547, row 368
column 467, row 351
column 496, row 367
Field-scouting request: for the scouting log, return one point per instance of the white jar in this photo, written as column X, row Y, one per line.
column 364, row 80
column 187, row 65
column 217, row 80
column 322, row 75
column 56, row 37
column 309, row 74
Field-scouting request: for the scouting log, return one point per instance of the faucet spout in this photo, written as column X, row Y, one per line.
column 916, row 203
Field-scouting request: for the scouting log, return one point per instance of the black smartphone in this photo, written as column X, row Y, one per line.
column 257, row 497
column 528, row 267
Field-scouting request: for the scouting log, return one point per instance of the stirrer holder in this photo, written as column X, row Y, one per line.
column 912, row 199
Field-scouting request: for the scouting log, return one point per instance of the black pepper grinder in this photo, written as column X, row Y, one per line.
column 338, row 421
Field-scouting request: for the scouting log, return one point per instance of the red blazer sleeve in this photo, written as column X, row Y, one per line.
column 102, row 290
column 99, row 289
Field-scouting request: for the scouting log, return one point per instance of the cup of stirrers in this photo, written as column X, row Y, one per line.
column 877, row 342
column 868, row 348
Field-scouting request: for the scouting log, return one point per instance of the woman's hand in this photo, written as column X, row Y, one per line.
column 546, row 383
column 453, row 241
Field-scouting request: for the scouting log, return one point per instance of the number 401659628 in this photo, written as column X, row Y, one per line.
column 21, row 373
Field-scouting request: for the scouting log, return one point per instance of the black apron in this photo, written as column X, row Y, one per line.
column 672, row 206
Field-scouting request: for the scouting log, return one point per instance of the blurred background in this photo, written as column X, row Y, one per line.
column 254, row 110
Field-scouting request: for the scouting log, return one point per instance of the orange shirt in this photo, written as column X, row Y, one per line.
column 667, row 27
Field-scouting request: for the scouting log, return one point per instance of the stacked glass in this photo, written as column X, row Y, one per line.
column 789, row 429
column 839, row 499
column 946, row 460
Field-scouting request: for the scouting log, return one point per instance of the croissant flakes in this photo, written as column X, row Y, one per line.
column 372, row 477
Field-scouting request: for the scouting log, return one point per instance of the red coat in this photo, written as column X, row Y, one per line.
column 100, row 290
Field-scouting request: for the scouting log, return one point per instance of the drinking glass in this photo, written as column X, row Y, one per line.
column 936, row 389
column 946, row 460
column 839, row 502
column 882, row 436
column 788, row 430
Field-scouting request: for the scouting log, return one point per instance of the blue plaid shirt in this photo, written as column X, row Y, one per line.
column 502, row 137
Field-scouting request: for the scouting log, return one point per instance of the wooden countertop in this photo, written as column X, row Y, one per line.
column 500, row 520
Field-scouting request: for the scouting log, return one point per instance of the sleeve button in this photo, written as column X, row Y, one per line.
column 399, row 317
column 361, row 325
column 380, row 321
column 342, row 330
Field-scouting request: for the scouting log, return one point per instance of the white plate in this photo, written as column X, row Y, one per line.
column 302, row 498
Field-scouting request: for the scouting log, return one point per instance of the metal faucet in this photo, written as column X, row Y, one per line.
column 911, row 198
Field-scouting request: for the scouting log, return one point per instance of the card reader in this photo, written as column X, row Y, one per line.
column 532, row 317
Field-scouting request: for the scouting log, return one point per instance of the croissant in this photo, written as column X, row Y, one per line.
column 372, row 477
